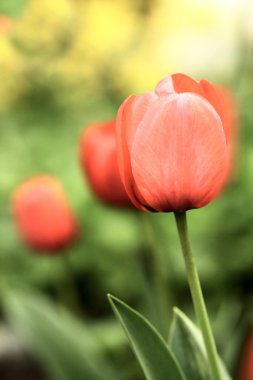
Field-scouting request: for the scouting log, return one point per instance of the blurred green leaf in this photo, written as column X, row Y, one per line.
column 154, row 356
column 12, row 8
column 187, row 344
column 65, row 347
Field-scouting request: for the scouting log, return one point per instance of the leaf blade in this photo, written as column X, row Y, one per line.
column 152, row 352
column 187, row 344
column 60, row 342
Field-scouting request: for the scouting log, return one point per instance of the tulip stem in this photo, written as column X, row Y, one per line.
column 70, row 289
column 197, row 297
column 158, row 277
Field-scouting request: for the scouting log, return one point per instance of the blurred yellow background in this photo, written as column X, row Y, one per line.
column 73, row 47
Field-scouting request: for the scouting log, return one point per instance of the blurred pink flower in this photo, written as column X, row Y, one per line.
column 42, row 214
column 99, row 162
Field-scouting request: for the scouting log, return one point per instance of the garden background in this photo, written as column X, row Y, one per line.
column 65, row 64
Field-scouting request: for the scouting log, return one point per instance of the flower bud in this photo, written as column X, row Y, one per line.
column 99, row 162
column 42, row 214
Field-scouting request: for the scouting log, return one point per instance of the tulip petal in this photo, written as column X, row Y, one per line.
column 223, row 104
column 165, row 86
column 129, row 116
column 139, row 107
column 178, row 83
column 98, row 158
column 179, row 156
column 123, row 125
column 217, row 96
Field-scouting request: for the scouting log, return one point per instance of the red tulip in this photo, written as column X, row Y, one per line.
column 43, row 215
column 99, row 162
column 246, row 364
column 174, row 144
column 5, row 24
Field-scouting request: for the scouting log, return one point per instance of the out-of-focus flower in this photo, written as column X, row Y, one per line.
column 46, row 27
column 5, row 24
column 11, row 66
column 72, row 47
column 183, row 35
column 43, row 215
column 13, row 84
column 99, row 162
column 109, row 28
column 245, row 371
column 174, row 144
column 105, row 30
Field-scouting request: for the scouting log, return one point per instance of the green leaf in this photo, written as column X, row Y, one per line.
column 63, row 345
column 152, row 352
column 187, row 344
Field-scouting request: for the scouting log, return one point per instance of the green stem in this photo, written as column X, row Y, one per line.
column 70, row 289
column 158, row 276
column 197, row 296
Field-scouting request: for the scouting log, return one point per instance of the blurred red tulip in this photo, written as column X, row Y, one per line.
column 246, row 362
column 43, row 215
column 5, row 24
column 174, row 144
column 99, row 162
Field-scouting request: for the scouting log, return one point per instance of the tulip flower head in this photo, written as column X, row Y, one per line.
column 99, row 162
column 174, row 144
column 43, row 215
